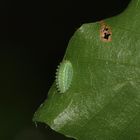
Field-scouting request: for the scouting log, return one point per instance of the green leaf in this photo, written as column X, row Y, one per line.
column 103, row 101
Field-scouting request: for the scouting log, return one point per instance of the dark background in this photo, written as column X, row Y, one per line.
column 33, row 39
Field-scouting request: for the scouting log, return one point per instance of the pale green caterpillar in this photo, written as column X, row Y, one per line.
column 64, row 76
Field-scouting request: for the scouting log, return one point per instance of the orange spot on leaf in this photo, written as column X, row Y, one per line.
column 105, row 32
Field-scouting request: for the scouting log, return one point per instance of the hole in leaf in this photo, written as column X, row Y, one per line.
column 105, row 32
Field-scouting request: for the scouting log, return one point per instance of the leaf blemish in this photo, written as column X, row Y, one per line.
column 105, row 32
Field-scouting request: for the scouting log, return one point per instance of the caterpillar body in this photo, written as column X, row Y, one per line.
column 64, row 76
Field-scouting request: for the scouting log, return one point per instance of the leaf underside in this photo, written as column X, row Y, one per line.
column 103, row 101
